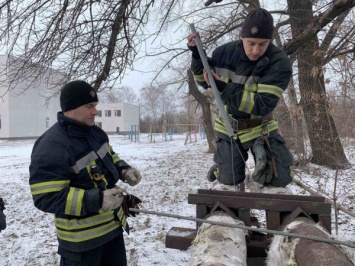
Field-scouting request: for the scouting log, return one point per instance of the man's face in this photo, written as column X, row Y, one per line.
column 254, row 48
column 84, row 114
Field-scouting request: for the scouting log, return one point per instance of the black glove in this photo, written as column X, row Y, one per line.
column 208, row 2
column 220, row 85
column 194, row 51
column 2, row 215
column 130, row 201
column 263, row 163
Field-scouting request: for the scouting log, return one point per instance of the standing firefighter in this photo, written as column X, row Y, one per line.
column 73, row 174
column 2, row 215
column 251, row 74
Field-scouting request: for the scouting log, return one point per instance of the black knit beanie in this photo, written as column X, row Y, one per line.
column 76, row 93
column 258, row 24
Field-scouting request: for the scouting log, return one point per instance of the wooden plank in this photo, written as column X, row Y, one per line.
column 260, row 203
column 201, row 213
column 273, row 220
column 180, row 238
column 244, row 215
column 261, row 195
column 325, row 220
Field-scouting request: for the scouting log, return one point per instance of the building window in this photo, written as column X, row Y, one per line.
column 117, row 129
column 99, row 113
column 0, row 121
column 108, row 113
column 117, row 112
column 47, row 122
column 99, row 124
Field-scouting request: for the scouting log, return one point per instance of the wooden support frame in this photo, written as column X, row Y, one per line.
column 279, row 210
column 276, row 206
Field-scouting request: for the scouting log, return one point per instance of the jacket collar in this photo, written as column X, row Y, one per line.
column 73, row 127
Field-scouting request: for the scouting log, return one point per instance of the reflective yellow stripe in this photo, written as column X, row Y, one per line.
column 262, row 88
column 199, row 78
column 225, row 79
column 74, row 201
column 83, row 223
column 115, row 157
column 256, row 132
column 122, row 217
column 84, row 235
column 48, row 187
column 248, row 134
column 247, row 103
column 220, row 126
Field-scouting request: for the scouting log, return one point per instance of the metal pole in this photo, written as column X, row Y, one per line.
column 219, row 102
column 260, row 230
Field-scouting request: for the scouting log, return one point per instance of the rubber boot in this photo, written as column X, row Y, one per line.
column 213, row 173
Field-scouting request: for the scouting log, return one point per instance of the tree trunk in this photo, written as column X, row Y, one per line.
column 219, row 245
column 295, row 251
column 296, row 120
column 324, row 139
column 206, row 110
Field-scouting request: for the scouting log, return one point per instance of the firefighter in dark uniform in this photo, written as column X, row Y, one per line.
column 2, row 215
column 73, row 174
column 251, row 74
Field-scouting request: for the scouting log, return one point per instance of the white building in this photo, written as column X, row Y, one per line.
column 119, row 118
column 25, row 111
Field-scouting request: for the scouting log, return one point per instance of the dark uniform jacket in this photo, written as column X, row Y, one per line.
column 61, row 183
column 253, row 87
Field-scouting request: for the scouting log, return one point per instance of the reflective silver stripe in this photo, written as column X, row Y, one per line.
column 81, row 163
column 74, row 224
column 48, row 187
column 103, row 150
column 84, row 235
column 252, row 80
column 240, row 79
column 92, row 156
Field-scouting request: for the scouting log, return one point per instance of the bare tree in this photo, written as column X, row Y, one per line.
column 325, row 18
column 92, row 40
column 98, row 41
column 205, row 103
column 159, row 106
column 326, row 146
column 122, row 94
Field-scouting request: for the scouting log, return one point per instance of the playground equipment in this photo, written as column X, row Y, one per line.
column 192, row 129
column 134, row 133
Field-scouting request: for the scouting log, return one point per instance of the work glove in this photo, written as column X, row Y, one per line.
column 132, row 176
column 208, row 2
column 2, row 215
column 263, row 164
column 112, row 198
column 220, row 84
column 130, row 201
column 194, row 51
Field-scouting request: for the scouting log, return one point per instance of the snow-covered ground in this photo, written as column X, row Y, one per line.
column 171, row 170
